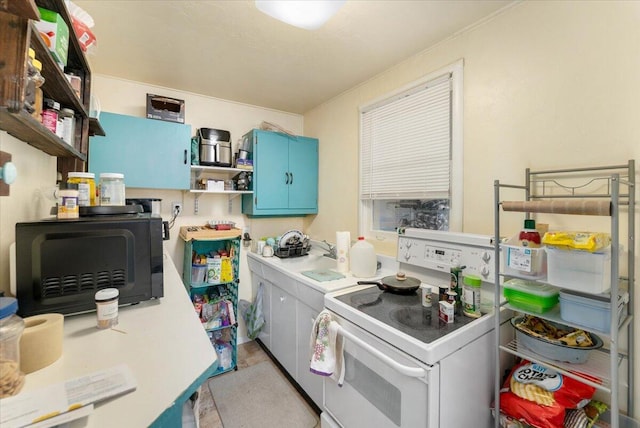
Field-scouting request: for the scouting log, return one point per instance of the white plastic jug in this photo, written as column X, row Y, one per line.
column 363, row 259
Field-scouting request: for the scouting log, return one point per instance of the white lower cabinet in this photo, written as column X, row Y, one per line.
column 290, row 309
column 311, row 383
column 283, row 328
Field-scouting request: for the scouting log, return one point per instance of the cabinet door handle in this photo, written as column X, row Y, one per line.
column 286, row 180
column 291, row 175
column 185, row 157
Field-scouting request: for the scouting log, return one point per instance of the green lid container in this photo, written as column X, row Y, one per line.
column 530, row 296
column 473, row 281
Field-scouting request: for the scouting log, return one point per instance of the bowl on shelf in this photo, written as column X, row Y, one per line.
column 553, row 349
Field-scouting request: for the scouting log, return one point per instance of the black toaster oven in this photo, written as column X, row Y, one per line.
column 60, row 264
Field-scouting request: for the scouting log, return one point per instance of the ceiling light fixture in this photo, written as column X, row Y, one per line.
column 307, row 14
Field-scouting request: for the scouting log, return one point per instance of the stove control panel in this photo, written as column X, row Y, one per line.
column 475, row 254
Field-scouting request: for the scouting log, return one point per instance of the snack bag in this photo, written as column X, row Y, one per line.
column 539, row 396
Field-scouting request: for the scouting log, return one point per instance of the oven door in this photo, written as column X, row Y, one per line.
column 383, row 387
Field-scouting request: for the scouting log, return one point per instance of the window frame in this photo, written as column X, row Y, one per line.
column 365, row 207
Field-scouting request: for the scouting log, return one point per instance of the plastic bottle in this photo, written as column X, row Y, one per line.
column 68, row 201
column 107, row 307
column 86, row 182
column 50, row 115
column 529, row 236
column 38, row 81
column 471, row 296
column 363, row 259
column 11, row 328
column 30, row 87
column 112, row 189
column 68, row 120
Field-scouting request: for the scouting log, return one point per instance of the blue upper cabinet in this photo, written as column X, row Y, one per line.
column 151, row 154
column 285, row 175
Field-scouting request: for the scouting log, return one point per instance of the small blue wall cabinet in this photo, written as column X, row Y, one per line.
column 285, row 175
column 151, row 154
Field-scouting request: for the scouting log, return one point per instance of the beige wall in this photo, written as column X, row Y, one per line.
column 546, row 84
column 26, row 201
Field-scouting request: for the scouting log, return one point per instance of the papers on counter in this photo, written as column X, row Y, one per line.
column 33, row 408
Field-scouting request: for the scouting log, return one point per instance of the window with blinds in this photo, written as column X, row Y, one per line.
column 407, row 146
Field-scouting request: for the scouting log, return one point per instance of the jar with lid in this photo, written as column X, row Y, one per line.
column 68, row 201
column 471, row 296
column 11, row 328
column 68, row 120
column 529, row 236
column 107, row 307
column 112, row 189
column 86, row 187
column 50, row 112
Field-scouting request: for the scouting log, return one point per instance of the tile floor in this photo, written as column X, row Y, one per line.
column 249, row 353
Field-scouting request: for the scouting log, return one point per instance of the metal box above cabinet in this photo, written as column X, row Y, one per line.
column 150, row 153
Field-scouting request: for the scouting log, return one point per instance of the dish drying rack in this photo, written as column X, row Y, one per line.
column 292, row 244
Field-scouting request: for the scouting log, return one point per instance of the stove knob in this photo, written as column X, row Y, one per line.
column 486, row 256
column 484, row 270
column 407, row 256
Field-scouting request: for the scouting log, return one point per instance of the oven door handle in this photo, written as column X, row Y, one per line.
column 401, row 368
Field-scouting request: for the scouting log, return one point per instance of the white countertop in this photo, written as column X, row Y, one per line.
column 295, row 265
column 161, row 340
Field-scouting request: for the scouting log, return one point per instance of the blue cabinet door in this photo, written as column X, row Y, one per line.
column 270, row 177
column 303, row 167
column 150, row 153
column 285, row 175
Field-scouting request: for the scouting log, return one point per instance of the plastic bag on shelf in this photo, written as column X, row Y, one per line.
column 82, row 24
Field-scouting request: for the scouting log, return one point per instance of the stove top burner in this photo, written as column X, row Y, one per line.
column 416, row 318
column 403, row 312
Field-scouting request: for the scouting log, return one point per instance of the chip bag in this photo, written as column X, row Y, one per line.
column 540, row 396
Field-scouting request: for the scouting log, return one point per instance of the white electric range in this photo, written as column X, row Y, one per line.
column 404, row 367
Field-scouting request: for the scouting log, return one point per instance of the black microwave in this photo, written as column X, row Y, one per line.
column 60, row 264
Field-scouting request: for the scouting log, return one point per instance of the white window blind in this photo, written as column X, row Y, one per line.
column 405, row 149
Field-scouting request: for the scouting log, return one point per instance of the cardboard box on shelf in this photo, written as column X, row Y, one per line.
column 55, row 33
column 165, row 108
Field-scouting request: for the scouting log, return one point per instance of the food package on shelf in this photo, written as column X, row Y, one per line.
column 585, row 241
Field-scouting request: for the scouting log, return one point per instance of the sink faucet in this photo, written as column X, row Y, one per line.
column 332, row 250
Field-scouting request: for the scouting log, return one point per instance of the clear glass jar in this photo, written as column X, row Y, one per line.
column 112, row 189
column 11, row 328
column 107, row 307
column 86, row 182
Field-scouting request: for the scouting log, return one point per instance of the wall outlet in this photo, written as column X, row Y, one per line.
column 176, row 208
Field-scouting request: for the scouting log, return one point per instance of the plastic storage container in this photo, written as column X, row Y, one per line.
column 530, row 296
column 112, row 189
column 471, row 296
column 363, row 259
column 11, row 328
column 588, row 310
column 580, row 270
column 86, row 182
column 524, row 261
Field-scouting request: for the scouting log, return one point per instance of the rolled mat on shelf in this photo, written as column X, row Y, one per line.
column 578, row 207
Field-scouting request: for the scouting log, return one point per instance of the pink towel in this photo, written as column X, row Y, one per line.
column 326, row 348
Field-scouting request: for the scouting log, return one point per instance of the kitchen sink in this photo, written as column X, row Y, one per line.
column 309, row 262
